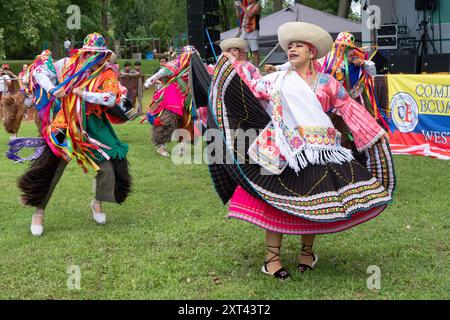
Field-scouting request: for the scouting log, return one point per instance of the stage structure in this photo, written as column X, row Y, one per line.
column 203, row 20
column 411, row 32
column 414, row 52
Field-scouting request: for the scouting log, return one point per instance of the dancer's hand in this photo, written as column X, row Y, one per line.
column 270, row 68
column 60, row 93
column 229, row 56
column 358, row 62
column 78, row 91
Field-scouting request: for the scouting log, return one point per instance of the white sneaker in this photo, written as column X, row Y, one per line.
column 161, row 149
column 37, row 230
column 99, row 217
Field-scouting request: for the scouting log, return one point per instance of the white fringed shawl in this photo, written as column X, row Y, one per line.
column 303, row 131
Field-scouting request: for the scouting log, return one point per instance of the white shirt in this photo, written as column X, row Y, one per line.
column 67, row 44
column 369, row 66
column 163, row 72
column 47, row 80
column 3, row 85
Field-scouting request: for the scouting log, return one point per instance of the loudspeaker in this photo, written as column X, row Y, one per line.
column 202, row 6
column 200, row 15
column 211, row 20
column 195, row 32
column 381, row 62
column 210, row 5
column 422, row 5
column 401, row 63
column 194, row 7
column 432, row 63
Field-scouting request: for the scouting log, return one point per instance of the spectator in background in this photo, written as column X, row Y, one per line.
column 126, row 71
column 21, row 76
column 5, row 84
column 30, row 111
column 67, row 46
column 8, row 71
column 137, row 72
column 249, row 17
column 162, row 63
column 128, row 80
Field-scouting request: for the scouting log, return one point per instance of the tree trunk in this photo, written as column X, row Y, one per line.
column 277, row 5
column 104, row 18
column 344, row 8
column 225, row 19
column 55, row 47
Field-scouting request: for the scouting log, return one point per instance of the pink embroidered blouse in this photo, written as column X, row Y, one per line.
column 333, row 98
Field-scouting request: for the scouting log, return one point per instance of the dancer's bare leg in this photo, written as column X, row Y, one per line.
column 306, row 258
column 273, row 244
column 38, row 217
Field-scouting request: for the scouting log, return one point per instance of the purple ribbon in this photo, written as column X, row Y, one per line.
column 17, row 144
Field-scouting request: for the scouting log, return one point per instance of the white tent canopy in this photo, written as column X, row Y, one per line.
column 297, row 12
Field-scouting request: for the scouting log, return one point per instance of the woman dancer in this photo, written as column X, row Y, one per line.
column 295, row 177
column 238, row 48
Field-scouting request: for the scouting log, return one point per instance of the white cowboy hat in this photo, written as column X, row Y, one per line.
column 305, row 32
column 237, row 43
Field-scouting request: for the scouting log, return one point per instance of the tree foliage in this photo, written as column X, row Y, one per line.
column 24, row 22
column 28, row 26
column 2, row 45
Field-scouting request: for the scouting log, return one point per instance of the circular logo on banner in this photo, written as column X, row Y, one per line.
column 404, row 112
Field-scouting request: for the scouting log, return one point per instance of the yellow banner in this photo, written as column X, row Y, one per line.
column 431, row 93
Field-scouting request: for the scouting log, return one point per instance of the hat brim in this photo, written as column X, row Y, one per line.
column 94, row 49
column 305, row 32
column 237, row 43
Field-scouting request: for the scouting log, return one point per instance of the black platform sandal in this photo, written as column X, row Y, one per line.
column 307, row 252
column 280, row 274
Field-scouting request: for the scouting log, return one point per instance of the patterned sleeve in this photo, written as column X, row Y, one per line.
column 46, row 77
column 261, row 88
column 163, row 72
column 255, row 73
column 370, row 67
column 365, row 130
column 42, row 76
column 105, row 96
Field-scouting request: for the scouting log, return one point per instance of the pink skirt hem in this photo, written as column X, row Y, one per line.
column 244, row 206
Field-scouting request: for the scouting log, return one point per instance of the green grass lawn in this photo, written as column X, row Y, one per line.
column 171, row 239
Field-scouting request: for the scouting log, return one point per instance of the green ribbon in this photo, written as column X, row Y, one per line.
column 347, row 76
